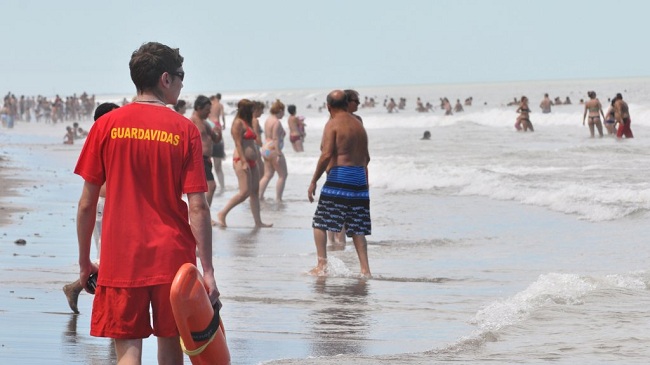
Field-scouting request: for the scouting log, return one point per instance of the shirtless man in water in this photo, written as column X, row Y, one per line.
column 546, row 104
column 337, row 239
column 216, row 111
column 218, row 121
column 199, row 116
column 344, row 156
column 622, row 115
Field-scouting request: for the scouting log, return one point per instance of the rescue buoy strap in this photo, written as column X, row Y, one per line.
column 209, row 332
column 199, row 350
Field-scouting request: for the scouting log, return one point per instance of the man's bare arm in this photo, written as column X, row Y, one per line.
column 328, row 150
column 86, row 215
column 199, row 214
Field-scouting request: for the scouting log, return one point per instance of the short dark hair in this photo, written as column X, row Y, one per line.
column 291, row 109
column 179, row 104
column 104, row 108
column 152, row 60
column 619, row 96
column 349, row 94
column 201, row 101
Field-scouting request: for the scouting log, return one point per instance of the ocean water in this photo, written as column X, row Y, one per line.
column 488, row 246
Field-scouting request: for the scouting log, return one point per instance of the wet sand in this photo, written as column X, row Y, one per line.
column 8, row 188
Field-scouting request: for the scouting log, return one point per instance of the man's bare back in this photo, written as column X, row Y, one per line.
column 346, row 139
column 217, row 113
column 622, row 110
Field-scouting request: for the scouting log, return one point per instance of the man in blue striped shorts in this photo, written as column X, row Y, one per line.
column 344, row 198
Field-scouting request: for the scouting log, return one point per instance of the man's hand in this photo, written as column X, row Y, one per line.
column 85, row 271
column 311, row 192
column 213, row 291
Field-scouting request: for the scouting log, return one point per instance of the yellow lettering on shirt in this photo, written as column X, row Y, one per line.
column 145, row 135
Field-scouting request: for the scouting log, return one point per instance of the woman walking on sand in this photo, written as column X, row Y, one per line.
column 272, row 152
column 244, row 162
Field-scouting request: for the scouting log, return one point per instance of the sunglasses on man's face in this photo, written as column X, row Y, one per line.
column 180, row 74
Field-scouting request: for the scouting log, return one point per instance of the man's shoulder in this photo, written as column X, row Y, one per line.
column 197, row 121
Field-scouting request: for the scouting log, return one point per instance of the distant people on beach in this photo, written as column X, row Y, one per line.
column 419, row 106
column 557, row 101
column 546, row 104
column 622, row 118
column 426, row 136
column 181, row 107
column 523, row 120
column 468, row 101
column 595, row 110
column 610, row 118
column 368, row 102
column 402, row 104
column 69, row 108
column 296, row 129
column 217, row 120
column 144, row 210
column 391, row 106
column 73, row 289
column 244, row 163
column 567, row 101
column 344, row 198
column 458, row 107
column 68, row 138
column 446, row 106
column 274, row 160
column 217, row 114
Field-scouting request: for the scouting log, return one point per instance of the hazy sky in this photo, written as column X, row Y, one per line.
column 70, row 46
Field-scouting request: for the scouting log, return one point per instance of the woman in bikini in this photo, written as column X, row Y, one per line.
column 295, row 129
column 272, row 152
column 244, row 162
column 610, row 119
column 593, row 107
column 524, row 119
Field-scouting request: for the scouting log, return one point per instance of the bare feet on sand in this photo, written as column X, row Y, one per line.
column 220, row 222
column 318, row 271
column 263, row 225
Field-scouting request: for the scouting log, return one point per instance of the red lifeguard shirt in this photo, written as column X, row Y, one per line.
column 149, row 156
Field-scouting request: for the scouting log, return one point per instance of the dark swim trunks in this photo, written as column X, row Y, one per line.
column 207, row 166
column 218, row 150
column 344, row 199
